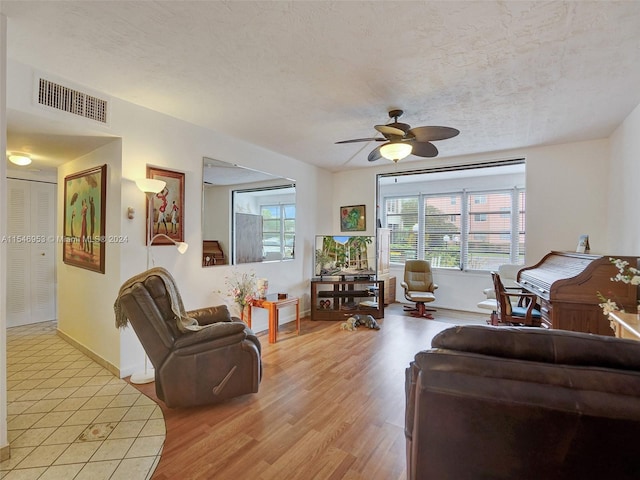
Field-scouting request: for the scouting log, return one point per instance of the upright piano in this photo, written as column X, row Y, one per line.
column 567, row 285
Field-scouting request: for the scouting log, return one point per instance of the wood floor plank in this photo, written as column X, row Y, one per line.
column 330, row 406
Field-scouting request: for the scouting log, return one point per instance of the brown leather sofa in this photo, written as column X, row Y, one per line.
column 218, row 362
column 523, row 403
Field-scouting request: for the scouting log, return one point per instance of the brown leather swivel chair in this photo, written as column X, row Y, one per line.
column 418, row 286
column 217, row 362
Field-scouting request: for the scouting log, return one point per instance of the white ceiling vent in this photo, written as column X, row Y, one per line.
column 73, row 101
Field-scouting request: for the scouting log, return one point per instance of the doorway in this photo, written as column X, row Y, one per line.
column 31, row 263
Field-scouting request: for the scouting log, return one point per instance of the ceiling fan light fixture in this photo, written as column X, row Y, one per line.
column 395, row 151
column 20, row 159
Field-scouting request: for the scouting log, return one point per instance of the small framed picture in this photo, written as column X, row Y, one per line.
column 583, row 244
column 85, row 199
column 168, row 207
column 353, row 218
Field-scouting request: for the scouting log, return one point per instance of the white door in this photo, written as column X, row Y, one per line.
column 31, row 277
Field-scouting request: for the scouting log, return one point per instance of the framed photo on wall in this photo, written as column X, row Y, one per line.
column 84, row 219
column 353, row 218
column 168, row 207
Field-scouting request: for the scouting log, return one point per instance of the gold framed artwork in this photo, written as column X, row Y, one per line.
column 168, row 207
column 84, row 219
column 353, row 218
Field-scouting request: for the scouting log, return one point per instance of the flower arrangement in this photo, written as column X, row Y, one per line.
column 626, row 274
column 242, row 288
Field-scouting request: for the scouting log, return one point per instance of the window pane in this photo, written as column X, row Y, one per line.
column 442, row 231
column 278, row 231
column 402, row 219
column 290, row 211
column 489, row 230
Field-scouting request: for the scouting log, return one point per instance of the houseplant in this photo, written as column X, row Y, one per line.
column 626, row 274
column 242, row 289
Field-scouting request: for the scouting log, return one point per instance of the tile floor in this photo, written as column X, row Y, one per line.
column 71, row 419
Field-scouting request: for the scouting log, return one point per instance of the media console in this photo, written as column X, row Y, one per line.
column 340, row 299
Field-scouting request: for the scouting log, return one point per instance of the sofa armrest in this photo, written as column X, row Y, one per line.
column 209, row 315
column 212, row 332
column 541, row 345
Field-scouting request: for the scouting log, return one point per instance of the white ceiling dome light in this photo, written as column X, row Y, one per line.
column 395, row 151
column 21, row 159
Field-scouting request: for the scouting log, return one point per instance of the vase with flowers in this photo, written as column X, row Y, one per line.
column 626, row 274
column 242, row 289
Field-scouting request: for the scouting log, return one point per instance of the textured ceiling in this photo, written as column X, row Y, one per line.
column 295, row 77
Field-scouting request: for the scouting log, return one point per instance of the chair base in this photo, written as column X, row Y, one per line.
column 140, row 378
column 421, row 311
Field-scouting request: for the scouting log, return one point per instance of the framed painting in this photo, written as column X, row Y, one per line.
column 168, row 208
column 353, row 218
column 84, row 219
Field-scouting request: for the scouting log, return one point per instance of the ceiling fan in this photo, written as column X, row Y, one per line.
column 402, row 140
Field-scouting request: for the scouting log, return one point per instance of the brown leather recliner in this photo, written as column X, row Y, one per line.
column 218, row 362
column 523, row 403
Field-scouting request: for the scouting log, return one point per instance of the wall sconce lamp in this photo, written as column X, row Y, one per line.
column 131, row 213
column 396, row 150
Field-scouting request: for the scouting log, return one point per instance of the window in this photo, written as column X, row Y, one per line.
column 278, row 231
column 264, row 224
column 471, row 221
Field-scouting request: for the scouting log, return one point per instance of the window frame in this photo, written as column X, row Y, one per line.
column 515, row 213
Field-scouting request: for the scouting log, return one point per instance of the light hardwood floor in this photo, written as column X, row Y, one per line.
column 330, row 406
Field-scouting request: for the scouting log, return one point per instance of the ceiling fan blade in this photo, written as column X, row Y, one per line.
column 430, row 134
column 375, row 139
column 388, row 130
column 375, row 154
column 423, row 149
column 405, row 127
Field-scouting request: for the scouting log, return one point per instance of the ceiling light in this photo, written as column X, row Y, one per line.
column 20, row 159
column 395, row 151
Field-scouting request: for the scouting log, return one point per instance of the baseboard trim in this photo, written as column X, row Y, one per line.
column 5, row 453
column 89, row 353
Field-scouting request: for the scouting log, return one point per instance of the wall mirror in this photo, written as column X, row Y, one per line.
column 248, row 216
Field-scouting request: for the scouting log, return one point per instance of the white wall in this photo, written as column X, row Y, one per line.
column 4, row 443
column 567, row 196
column 85, row 297
column 624, row 187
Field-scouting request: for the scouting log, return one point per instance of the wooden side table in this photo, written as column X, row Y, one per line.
column 273, row 304
column 627, row 325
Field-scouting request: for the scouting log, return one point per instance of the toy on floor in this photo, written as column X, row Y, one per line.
column 355, row 321
column 349, row 324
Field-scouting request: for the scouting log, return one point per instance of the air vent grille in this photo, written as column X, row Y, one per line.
column 73, row 101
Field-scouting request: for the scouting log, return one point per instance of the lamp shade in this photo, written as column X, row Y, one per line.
column 182, row 247
column 395, row 150
column 150, row 185
column 20, row 159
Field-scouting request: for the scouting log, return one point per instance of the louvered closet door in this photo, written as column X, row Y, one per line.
column 31, row 279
